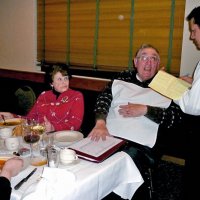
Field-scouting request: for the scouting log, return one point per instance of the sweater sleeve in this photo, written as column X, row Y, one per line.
column 167, row 117
column 103, row 103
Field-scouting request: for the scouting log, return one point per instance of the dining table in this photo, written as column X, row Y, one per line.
column 80, row 180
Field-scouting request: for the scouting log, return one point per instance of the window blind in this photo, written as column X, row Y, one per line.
column 103, row 35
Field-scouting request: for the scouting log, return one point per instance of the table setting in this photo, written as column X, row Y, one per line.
column 118, row 173
column 66, row 176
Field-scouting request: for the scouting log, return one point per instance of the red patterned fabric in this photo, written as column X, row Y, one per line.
column 65, row 113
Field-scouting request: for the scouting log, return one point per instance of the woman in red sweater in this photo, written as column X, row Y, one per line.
column 60, row 108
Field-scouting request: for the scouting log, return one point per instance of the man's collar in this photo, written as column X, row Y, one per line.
column 138, row 78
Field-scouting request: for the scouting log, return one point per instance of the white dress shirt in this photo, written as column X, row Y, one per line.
column 190, row 101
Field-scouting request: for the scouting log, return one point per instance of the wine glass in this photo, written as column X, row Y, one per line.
column 39, row 128
column 30, row 136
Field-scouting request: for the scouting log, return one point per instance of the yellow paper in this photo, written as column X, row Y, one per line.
column 169, row 85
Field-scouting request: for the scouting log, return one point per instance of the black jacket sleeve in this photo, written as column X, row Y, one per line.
column 5, row 188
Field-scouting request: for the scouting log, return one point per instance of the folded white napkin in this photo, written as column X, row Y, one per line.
column 137, row 129
column 54, row 185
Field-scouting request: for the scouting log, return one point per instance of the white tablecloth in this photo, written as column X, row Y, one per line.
column 93, row 181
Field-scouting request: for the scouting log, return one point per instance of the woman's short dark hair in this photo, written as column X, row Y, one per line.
column 52, row 70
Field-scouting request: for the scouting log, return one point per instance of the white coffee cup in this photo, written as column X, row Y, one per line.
column 6, row 132
column 12, row 143
column 67, row 156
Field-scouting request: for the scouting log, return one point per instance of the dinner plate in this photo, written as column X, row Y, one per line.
column 65, row 138
column 11, row 122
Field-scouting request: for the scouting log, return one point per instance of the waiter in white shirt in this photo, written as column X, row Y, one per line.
column 190, row 104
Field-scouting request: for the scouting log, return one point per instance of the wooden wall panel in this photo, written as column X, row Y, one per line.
column 75, row 82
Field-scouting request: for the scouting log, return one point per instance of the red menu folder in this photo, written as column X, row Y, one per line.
column 97, row 151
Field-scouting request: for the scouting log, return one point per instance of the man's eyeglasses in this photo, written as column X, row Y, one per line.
column 148, row 58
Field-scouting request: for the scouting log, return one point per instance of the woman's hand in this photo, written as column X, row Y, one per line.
column 48, row 126
column 132, row 110
column 100, row 131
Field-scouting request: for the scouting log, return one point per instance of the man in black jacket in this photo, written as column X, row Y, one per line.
column 146, row 65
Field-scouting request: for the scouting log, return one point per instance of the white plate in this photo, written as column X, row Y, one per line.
column 66, row 138
column 11, row 122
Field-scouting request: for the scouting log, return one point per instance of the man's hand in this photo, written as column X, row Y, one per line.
column 132, row 110
column 100, row 131
column 12, row 167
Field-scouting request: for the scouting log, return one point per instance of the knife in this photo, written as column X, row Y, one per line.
column 24, row 180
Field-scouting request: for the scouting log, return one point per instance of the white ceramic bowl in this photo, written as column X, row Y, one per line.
column 6, row 132
column 12, row 143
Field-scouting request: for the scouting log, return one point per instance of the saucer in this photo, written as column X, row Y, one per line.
column 74, row 162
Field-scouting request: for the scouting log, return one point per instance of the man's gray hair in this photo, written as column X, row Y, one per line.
column 145, row 46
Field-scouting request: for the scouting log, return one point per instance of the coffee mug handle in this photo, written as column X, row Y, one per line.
column 76, row 157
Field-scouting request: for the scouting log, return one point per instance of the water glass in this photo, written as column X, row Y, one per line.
column 52, row 157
